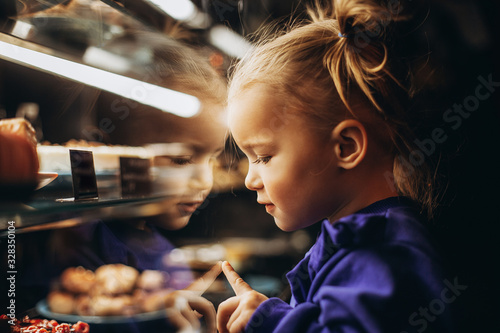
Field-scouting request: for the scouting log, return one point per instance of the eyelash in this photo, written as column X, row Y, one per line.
column 263, row 160
column 181, row 160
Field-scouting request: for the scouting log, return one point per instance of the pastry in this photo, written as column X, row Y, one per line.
column 115, row 279
column 61, row 302
column 104, row 305
column 155, row 301
column 152, row 280
column 18, row 155
column 77, row 280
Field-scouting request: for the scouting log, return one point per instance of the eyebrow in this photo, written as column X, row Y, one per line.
column 253, row 145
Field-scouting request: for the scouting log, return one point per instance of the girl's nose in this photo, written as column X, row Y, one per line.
column 252, row 180
column 202, row 177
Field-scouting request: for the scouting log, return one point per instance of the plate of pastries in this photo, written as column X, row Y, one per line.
column 113, row 293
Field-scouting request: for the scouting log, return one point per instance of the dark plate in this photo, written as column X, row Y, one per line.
column 43, row 309
column 23, row 191
column 151, row 322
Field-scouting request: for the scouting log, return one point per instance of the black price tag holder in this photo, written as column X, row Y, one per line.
column 135, row 176
column 83, row 176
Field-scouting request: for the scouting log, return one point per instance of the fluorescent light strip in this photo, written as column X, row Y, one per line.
column 185, row 11
column 229, row 41
column 167, row 100
column 179, row 9
column 97, row 57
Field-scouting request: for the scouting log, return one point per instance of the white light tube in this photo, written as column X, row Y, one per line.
column 229, row 41
column 167, row 100
column 179, row 9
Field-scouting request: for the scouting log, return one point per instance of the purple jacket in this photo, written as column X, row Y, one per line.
column 372, row 271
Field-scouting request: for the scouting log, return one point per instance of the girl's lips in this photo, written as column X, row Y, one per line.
column 269, row 208
column 188, row 208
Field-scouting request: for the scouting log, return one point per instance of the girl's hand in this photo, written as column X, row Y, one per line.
column 235, row 312
column 185, row 307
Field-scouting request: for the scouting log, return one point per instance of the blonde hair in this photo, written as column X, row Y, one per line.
column 342, row 60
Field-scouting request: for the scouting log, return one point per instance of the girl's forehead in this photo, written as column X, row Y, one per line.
column 246, row 109
column 259, row 111
column 257, row 118
column 255, row 98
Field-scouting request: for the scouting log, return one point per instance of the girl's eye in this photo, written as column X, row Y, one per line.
column 263, row 160
column 181, row 160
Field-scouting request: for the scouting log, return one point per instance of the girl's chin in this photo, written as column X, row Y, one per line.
column 180, row 222
column 291, row 225
column 170, row 222
column 284, row 225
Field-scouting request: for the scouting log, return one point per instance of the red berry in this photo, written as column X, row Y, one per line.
column 81, row 327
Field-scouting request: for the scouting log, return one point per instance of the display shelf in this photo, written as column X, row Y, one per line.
column 49, row 213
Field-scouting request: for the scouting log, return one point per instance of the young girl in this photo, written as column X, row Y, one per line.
column 321, row 113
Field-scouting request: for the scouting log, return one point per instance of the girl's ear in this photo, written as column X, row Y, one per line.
column 350, row 143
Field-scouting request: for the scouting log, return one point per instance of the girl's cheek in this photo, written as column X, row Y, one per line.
column 201, row 177
column 173, row 180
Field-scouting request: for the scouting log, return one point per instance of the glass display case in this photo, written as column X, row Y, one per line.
column 124, row 129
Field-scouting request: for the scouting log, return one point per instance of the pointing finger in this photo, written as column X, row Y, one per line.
column 239, row 286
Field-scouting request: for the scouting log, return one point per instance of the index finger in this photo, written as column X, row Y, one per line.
column 237, row 283
column 200, row 285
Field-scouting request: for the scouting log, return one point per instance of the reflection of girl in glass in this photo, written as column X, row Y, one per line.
column 185, row 147
column 183, row 169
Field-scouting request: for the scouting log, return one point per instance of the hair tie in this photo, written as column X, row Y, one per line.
column 341, row 35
